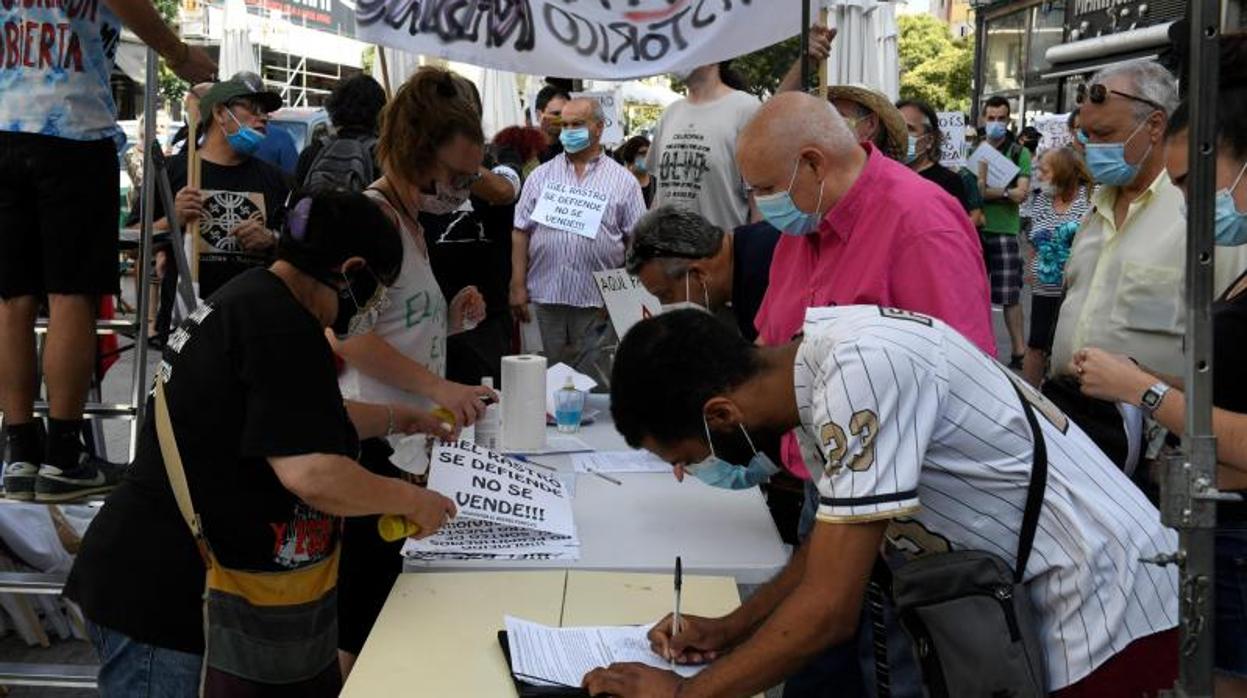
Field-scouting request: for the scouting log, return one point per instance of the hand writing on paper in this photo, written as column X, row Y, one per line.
column 699, row 640
column 632, row 680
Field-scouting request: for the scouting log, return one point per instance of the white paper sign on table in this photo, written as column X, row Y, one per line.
column 627, row 300
column 952, row 139
column 1000, row 169
column 487, row 486
column 571, row 208
column 612, row 130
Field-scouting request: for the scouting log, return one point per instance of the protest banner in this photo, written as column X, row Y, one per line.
column 612, row 129
column 1053, row 131
column 571, row 208
column 952, row 139
column 627, row 300
column 593, row 39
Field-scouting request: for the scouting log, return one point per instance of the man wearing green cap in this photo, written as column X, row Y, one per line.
column 240, row 201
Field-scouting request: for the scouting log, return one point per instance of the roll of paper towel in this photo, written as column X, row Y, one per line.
column 523, row 403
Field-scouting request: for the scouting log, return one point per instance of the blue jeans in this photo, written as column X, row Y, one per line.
column 1231, row 570
column 129, row 668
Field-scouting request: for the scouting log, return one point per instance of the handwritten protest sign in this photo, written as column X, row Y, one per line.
column 952, row 139
column 612, row 132
column 627, row 300
column 1053, row 131
column 505, row 509
column 592, row 39
column 573, row 209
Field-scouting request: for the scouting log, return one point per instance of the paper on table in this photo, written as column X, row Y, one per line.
column 558, row 444
column 640, row 461
column 556, row 378
column 562, row 656
column 1000, row 169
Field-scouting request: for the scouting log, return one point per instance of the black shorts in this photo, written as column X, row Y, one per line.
column 1044, row 311
column 59, row 214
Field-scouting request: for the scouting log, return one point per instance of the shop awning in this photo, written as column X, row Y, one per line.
column 1093, row 54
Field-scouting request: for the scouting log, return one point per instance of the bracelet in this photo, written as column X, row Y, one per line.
column 389, row 415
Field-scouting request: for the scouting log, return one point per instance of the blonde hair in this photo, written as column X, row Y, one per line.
column 428, row 111
column 1066, row 170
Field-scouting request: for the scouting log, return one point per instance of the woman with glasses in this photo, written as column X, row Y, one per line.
column 1116, row 377
column 430, row 147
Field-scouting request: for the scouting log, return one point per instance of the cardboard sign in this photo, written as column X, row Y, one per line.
column 490, row 487
column 627, row 299
column 571, row 208
column 612, row 133
column 952, row 139
column 1000, row 169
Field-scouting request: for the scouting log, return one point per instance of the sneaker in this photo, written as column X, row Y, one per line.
column 91, row 476
column 19, row 481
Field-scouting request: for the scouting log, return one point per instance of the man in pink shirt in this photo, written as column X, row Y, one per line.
column 859, row 228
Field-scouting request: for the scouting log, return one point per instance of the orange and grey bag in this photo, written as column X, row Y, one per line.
column 265, row 633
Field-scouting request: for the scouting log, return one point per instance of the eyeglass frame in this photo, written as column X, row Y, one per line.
column 1098, row 94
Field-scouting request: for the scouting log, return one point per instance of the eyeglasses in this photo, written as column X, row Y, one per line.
column 249, row 105
column 1098, row 94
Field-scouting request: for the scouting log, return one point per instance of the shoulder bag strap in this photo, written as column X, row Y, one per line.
column 177, row 474
column 1034, row 493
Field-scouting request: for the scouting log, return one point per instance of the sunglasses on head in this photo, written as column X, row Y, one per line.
column 1098, row 94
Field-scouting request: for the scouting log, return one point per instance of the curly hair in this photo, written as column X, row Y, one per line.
column 429, row 111
column 627, row 152
column 527, row 142
column 356, row 103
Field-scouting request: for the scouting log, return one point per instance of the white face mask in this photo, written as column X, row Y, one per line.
column 688, row 304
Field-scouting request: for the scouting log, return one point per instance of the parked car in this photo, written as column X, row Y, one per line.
column 304, row 124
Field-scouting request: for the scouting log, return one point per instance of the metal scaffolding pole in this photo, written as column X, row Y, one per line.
column 1189, row 488
column 142, row 269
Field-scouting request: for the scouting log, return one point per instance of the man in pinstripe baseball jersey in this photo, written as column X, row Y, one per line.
column 552, row 267
column 919, row 442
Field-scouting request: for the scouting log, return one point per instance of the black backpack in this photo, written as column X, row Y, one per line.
column 345, row 163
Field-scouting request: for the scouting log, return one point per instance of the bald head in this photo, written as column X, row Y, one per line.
column 791, row 122
column 800, row 144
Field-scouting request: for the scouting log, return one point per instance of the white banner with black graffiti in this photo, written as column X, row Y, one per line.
column 598, row 39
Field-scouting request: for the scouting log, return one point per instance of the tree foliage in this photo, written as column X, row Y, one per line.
column 935, row 68
column 171, row 86
column 761, row 70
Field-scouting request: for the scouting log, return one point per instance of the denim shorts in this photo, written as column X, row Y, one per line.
column 1231, row 571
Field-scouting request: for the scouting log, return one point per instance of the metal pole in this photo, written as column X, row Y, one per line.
column 1189, row 502
column 142, row 268
column 805, row 43
column 980, row 47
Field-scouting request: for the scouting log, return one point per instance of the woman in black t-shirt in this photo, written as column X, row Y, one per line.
column 923, row 154
column 1112, row 377
column 268, row 449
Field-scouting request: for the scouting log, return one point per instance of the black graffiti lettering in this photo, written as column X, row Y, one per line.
column 456, row 20
column 674, row 22
column 571, row 33
column 628, row 32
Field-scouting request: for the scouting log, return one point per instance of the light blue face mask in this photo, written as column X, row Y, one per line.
column 640, row 165
column 781, row 211
column 1107, row 161
column 1229, row 224
column 574, row 140
column 716, row 472
column 995, row 130
column 244, row 141
column 912, row 153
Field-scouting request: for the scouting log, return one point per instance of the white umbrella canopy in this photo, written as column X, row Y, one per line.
column 237, row 51
column 500, row 97
column 400, row 64
column 865, row 49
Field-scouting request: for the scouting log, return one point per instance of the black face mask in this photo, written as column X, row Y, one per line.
column 356, row 301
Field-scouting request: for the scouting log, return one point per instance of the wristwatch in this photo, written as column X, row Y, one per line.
column 1152, row 397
